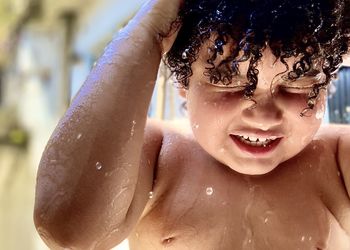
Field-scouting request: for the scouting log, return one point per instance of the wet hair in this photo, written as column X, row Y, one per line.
column 314, row 31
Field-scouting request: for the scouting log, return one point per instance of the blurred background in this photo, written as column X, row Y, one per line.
column 47, row 48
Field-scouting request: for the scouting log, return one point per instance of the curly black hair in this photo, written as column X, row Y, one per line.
column 314, row 31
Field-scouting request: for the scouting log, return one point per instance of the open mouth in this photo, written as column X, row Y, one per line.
column 255, row 145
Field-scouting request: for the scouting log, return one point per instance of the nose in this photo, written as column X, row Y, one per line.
column 262, row 113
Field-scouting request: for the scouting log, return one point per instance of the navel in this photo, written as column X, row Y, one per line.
column 168, row 241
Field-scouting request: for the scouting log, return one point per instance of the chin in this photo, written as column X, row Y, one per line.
column 254, row 168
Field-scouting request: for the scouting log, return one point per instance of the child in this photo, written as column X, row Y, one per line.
column 255, row 171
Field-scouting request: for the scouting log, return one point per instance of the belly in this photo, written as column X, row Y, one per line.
column 222, row 230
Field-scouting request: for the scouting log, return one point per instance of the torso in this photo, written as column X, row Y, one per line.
column 201, row 204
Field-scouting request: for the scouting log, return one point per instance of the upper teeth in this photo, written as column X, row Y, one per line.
column 261, row 139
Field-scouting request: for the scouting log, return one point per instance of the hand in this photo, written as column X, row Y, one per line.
column 160, row 18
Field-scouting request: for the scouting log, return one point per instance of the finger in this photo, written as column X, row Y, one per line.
column 169, row 39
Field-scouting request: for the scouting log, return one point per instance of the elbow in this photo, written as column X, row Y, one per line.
column 59, row 231
column 53, row 232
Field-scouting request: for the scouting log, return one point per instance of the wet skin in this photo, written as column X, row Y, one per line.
column 105, row 157
column 210, row 194
column 199, row 203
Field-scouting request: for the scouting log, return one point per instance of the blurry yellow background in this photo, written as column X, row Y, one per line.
column 47, row 48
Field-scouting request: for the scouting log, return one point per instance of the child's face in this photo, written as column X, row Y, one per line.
column 220, row 115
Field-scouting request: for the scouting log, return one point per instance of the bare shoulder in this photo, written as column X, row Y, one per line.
column 165, row 127
column 177, row 131
column 163, row 140
column 333, row 135
column 334, row 129
column 338, row 138
column 343, row 152
column 178, row 148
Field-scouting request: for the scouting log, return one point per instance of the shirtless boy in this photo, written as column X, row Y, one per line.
column 255, row 170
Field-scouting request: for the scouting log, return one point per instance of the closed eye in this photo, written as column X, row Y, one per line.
column 229, row 88
column 296, row 90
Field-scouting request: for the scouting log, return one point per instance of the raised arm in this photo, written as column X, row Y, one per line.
column 88, row 193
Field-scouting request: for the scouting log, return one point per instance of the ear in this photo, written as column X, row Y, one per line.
column 183, row 92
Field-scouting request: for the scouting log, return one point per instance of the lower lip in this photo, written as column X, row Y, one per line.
column 256, row 150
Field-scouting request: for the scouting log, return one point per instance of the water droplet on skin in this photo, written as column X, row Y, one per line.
column 196, row 126
column 79, row 136
column 310, row 238
column 150, row 195
column 320, row 114
column 98, row 165
column 210, row 191
column 133, row 128
column 266, row 220
column 338, row 173
column 303, row 238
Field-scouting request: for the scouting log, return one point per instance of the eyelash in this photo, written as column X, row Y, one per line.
column 295, row 90
column 231, row 89
column 283, row 89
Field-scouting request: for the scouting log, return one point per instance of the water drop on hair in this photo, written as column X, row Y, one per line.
column 326, row 63
column 184, row 54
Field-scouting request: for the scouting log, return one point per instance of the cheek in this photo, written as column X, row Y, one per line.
column 222, row 102
column 297, row 103
column 303, row 129
column 292, row 103
column 211, row 114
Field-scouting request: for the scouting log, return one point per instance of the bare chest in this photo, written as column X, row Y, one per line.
column 204, row 205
